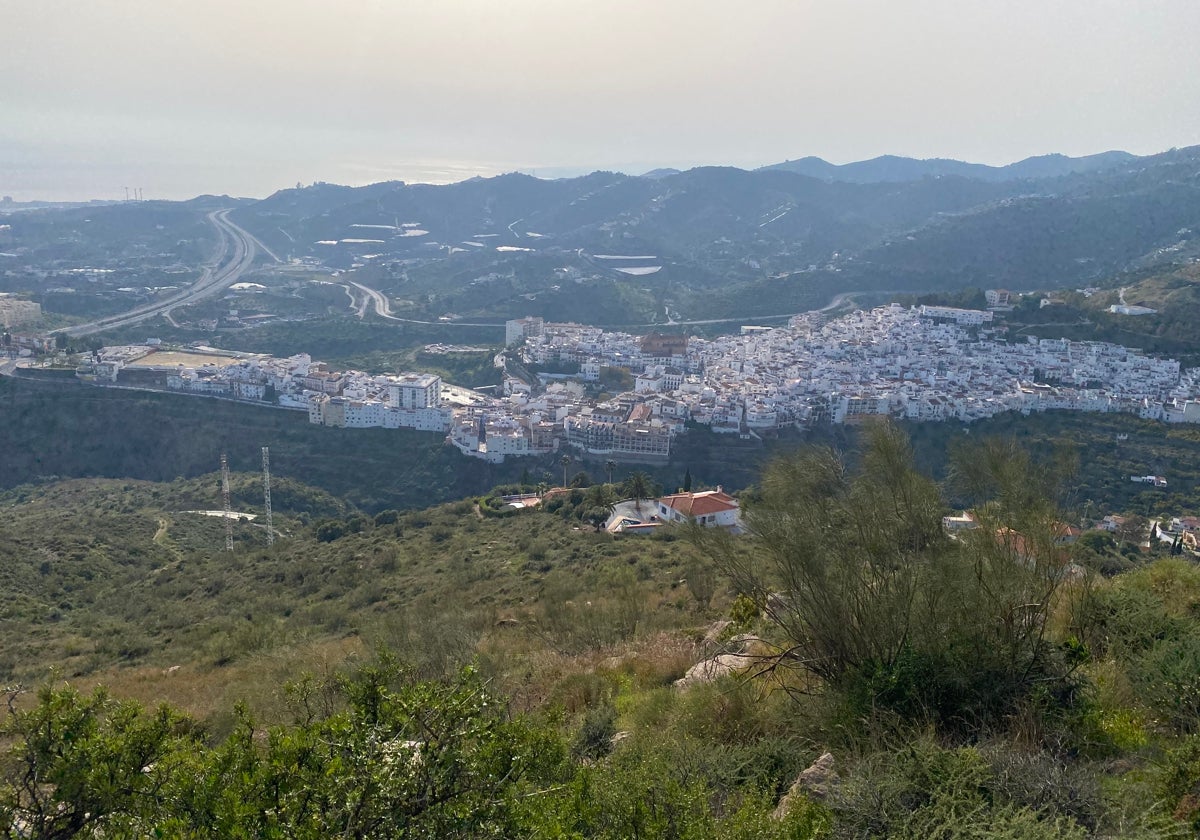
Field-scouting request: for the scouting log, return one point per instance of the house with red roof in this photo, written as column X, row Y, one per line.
column 714, row 508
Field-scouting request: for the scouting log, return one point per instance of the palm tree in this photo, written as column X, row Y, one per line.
column 600, row 499
column 609, row 466
column 565, row 460
column 601, row 496
column 638, row 486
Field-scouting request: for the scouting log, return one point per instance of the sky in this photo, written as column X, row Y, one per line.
column 244, row 97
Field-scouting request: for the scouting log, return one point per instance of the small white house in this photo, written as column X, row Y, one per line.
column 714, row 508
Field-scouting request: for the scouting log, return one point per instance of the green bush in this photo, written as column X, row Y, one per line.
column 922, row 790
column 867, row 594
column 595, row 737
column 1179, row 781
column 1167, row 679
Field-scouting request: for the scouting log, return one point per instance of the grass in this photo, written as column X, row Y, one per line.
column 106, row 577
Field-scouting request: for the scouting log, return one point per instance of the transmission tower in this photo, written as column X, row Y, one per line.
column 225, row 500
column 267, row 493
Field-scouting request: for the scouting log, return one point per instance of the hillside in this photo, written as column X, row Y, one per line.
column 1084, row 230
column 66, row 429
column 72, row 551
column 52, row 432
column 70, row 430
column 328, row 669
column 1173, row 290
column 100, row 575
column 718, row 241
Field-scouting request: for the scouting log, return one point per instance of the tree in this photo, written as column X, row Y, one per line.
column 565, row 460
column 609, row 467
column 639, row 487
column 373, row 754
column 687, row 480
column 1133, row 530
column 87, row 765
column 597, row 516
column 601, row 495
column 869, row 595
column 1097, row 541
column 403, row 759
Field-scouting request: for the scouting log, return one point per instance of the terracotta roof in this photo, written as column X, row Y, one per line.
column 1064, row 531
column 640, row 412
column 704, row 503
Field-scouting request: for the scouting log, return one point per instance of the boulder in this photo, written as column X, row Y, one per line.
column 743, row 643
column 713, row 635
column 709, row 670
column 815, row 782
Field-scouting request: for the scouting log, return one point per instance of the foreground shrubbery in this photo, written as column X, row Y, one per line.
column 378, row 753
column 867, row 595
column 372, row 754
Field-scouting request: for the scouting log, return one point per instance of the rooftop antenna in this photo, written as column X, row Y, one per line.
column 266, row 452
column 225, row 500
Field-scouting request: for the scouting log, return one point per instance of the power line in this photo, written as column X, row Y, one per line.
column 266, row 453
column 225, row 500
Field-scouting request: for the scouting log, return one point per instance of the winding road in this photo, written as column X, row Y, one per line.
column 236, row 252
column 373, row 299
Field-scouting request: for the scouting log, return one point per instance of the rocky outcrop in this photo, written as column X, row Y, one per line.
column 815, row 782
column 738, row 657
column 709, row 670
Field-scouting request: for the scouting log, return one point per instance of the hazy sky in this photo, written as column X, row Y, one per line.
column 247, row 96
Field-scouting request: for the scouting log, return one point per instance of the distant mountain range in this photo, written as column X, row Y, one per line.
column 720, row 241
column 889, row 168
column 712, row 242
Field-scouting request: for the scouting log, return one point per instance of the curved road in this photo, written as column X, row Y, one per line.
column 377, row 300
column 384, row 309
column 236, row 251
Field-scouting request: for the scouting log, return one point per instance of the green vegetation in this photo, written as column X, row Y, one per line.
column 457, row 671
column 368, row 753
column 1106, row 449
column 73, row 553
column 873, row 599
column 63, row 429
column 1170, row 331
column 470, row 370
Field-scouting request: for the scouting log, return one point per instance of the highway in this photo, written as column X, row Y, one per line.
column 236, row 252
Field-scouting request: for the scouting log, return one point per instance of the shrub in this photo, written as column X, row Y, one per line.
column 328, row 530
column 576, row 692
column 1167, row 679
column 595, row 737
column 922, row 790
column 387, row 517
column 873, row 599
